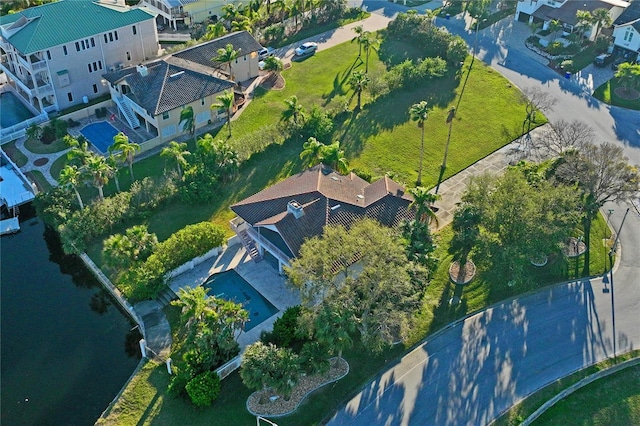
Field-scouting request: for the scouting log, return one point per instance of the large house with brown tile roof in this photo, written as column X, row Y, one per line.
column 276, row 221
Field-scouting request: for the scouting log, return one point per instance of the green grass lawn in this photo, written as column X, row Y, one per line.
column 42, row 183
column 15, row 154
column 516, row 414
column 606, row 93
column 38, row 147
column 612, row 400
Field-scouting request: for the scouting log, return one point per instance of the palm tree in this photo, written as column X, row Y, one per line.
column 274, row 65
column 420, row 112
column 333, row 328
column 70, row 177
column 585, row 20
column 360, row 35
column 214, row 31
column 227, row 159
column 79, row 152
column 334, row 157
column 127, row 150
column 113, row 162
column 242, row 23
column 227, row 55
column 188, row 120
column 226, row 103
column 358, row 82
column 99, row 171
column 628, row 74
column 229, row 12
column 369, row 42
column 312, row 152
column 33, row 132
column 116, row 252
column 422, row 201
column 554, row 27
column 601, row 18
column 466, row 228
column 294, row 110
column 178, row 152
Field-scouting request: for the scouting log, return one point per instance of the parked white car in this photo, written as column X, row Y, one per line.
column 308, row 48
column 265, row 52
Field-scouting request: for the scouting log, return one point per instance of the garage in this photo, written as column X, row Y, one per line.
column 523, row 17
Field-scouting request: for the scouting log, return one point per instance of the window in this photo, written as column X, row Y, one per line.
column 135, row 31
column 105, row 39
column 48, row 55
column 100, row 64
column 110, row 36
column 628, row 35
column 115, row 33
column 77, row 46
column 202, row 101
column 95, row 66
column 82, row 44
column 64, row 50
column 93, row 42
column 95, row 88
column 89, row 65
column 128, row 56
column 70, row 96
column 165, row 115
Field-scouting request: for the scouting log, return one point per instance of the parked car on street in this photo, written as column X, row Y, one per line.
column 603, row 60
column 265, row 52
column 305, row 49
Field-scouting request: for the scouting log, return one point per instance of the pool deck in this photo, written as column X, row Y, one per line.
column 260, row 276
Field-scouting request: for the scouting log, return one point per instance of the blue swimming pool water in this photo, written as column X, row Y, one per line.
column 231, row 286
column 100, row 135
column 12, row 111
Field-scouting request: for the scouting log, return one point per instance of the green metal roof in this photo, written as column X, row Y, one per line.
column 64, row 21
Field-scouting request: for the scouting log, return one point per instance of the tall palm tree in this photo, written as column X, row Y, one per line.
column 422, row 201
column 99, row 171
column 227, row 159
column 225, row 101
column 177, row 151
column 601, row 18
column 229, row 12
column 70, row 177
column 420, row 112
column 188, row 120
column 370, row 42
column 360, row 35
column 127, row 150
column 358, row 82
column 312, row 152
column 79, row 152
column 585, row 20
column 554, row 27
column 334, row 157
column 241, row 23
column 114, row 163
column 294, row 110
column 227, row 55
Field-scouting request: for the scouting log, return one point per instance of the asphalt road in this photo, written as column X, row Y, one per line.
column 477, row 368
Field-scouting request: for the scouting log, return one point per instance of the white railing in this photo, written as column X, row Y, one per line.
column 17, row 128
column 39, row 66
column 129, row 115
column 268, row 245
column 169, row 37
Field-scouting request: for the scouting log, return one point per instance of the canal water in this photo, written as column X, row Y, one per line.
column 66, row 347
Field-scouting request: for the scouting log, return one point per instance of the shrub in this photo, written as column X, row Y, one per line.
column 148, row 193
column 48, row 135
column 284, row 328
column 555, row 48
column 318, row 125
column 204, row 389
column 273, row 33
column 313, row 358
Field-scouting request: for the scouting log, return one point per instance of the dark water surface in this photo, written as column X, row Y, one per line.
column 66, row 348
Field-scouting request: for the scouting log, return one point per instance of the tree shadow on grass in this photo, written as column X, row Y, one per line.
column 339, row 81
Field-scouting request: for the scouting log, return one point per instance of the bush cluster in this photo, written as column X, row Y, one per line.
column 146, row 279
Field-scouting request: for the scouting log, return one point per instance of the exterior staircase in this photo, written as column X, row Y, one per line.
column 128, row 113
column 249, row 245
column 166, row 296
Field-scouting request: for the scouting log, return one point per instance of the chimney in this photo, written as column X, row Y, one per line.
column 295, row 208
column 142, row 70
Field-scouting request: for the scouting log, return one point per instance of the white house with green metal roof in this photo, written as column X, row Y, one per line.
column 54, row 55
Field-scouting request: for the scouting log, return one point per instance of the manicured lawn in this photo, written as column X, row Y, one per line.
column 41, row 182
column 38, row 147
column 606, row 93
column 613, row 400
column 58, row 165
column 15, row 154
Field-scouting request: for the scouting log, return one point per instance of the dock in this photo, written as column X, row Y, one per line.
column 9, row 226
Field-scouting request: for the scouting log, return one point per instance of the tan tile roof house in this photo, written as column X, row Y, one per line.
column 281, row 217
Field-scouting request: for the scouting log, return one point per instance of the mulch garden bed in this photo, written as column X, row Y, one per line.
column 306, row 384
column 273, row 81
column 462, row 275
column 40, row 161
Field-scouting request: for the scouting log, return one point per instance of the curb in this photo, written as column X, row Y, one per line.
column 578, row 385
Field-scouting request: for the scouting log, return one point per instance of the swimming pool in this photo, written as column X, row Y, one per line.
column 231, row 286
column 12, row 111
column 100, row 135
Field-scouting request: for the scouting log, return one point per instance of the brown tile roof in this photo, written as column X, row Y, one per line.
column 327, row 198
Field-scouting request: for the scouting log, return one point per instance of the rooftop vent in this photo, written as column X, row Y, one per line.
column 142, row 70
column 336, row 207
column 360, row 197
column 295, row 208
column 179, row 73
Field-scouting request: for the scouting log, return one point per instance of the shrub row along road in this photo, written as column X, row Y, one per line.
column 476, row 368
